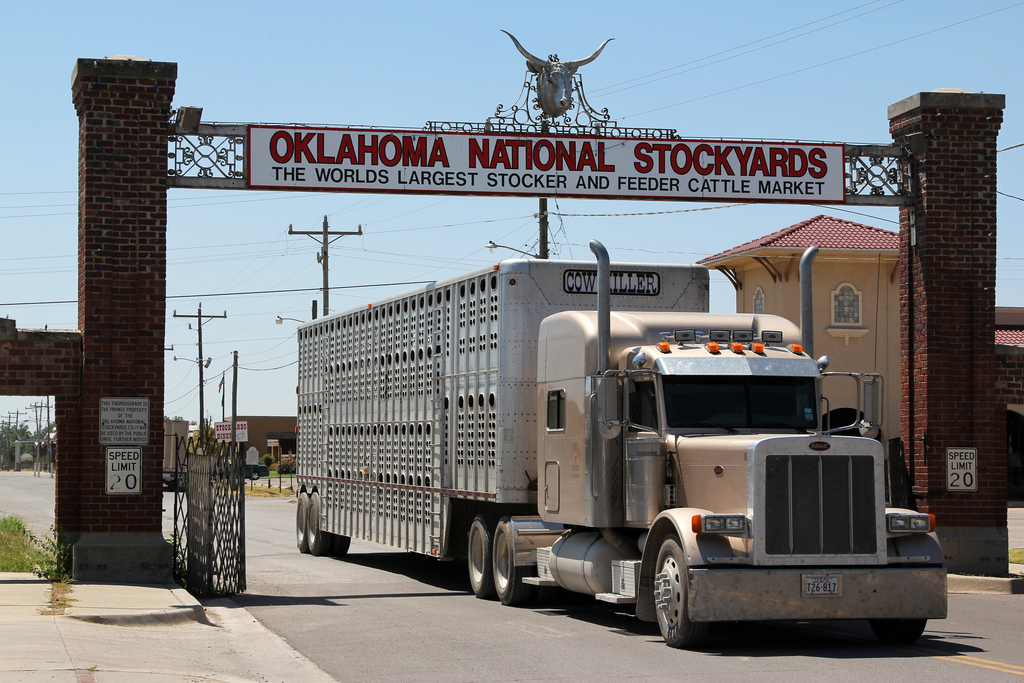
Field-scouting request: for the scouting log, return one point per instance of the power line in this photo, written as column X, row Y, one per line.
column 607, row 90
column 218, row 294
column 825, row 63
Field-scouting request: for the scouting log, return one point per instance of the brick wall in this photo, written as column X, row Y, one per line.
column 123, row 108
column 947, row 302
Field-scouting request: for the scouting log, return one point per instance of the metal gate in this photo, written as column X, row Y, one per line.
column 209, row 517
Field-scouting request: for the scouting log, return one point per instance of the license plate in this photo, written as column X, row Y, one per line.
column 815, row 585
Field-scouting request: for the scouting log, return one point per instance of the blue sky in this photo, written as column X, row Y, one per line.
column 811, row 71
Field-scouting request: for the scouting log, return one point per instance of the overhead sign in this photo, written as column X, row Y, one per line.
column 402, row 161
column 124, row 420
column 961, row 469
column 222, row 430
column 124, row 470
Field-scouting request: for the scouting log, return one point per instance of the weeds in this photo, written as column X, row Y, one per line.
column 56, row 562
column 60, row 598
column 18, row 553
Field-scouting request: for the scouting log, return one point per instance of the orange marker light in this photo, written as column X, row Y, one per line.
column 695, row 525
column 737, row 347
column 664, row 346
column 713, row 347
column 796, row 348
column 757, row 347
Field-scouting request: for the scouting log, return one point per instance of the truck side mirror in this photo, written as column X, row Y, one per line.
column 872, row 385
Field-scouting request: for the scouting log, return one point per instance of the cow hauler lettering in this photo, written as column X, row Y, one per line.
column 644, row 283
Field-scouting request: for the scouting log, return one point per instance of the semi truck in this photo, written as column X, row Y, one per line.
column 573, row 425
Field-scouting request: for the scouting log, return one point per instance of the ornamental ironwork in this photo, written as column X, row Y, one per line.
column 212, row 156
column 877, row 174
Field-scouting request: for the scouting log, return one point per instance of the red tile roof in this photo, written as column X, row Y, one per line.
column 824, row 232
column 1012, row 337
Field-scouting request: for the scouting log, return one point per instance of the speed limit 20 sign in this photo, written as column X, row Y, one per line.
column 124, row 470
column 961, row 469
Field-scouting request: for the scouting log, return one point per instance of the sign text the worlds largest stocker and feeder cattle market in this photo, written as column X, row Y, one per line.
column 372, row 160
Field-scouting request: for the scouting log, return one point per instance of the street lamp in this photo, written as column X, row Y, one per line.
column 281, row 320
column 492, row 246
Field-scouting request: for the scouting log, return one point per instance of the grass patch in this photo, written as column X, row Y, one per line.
column 1017, row 556
column 272, row 492
column 18, row 552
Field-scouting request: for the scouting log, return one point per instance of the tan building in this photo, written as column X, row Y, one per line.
column 856, row 300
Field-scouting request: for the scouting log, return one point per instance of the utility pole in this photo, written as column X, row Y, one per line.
column 322, row 256
column 12, row 430
column 542, row 238
column 202, row 364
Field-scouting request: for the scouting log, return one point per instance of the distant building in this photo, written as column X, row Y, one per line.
column 856, row 315
column 856, row 300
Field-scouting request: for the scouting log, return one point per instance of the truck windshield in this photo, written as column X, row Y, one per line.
column 740, row 402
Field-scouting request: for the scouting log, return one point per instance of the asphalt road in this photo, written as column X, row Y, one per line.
column 385, row 615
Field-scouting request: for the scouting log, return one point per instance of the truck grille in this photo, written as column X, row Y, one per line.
column 819, row 505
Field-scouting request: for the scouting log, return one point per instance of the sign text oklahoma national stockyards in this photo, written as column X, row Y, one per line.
column 374, row 160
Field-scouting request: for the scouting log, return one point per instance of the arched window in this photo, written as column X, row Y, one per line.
column 759, row 302
column 846, row 305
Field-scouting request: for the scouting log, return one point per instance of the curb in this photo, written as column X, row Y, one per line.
column 993, row 585
column 187, row 610
column 164, row 617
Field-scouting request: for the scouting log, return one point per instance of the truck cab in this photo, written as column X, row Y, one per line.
column 683, row 466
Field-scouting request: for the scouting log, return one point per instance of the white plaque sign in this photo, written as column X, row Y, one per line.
column 124, row 470
column 124, row 421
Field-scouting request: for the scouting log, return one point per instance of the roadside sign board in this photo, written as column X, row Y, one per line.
column 124, row 470
column 124, row 421
column 961, row 469
column 528, row 165
column 222, row 430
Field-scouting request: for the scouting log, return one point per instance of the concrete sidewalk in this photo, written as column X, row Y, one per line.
column 127, row 633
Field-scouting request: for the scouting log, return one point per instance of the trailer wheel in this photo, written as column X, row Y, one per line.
column 301, row 517
column 481, row 548
column 318, row 540
column 508, row 578
column 902, row 631
column 670, row 598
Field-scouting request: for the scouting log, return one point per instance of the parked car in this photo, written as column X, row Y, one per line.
column 254, row 472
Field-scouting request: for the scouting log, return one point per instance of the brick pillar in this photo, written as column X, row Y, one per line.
column 123, row 108
column 947, row 315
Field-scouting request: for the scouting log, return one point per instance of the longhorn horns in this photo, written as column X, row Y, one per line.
column 538, row 63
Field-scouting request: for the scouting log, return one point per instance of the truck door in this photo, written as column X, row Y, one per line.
column 644, row 456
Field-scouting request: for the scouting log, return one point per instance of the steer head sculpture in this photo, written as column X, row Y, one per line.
column 554, row 78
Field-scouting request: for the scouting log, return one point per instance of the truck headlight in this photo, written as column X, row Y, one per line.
column 904, row 523
column 719, row 524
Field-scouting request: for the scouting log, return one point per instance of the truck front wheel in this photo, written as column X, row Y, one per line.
column 902, row 631
column 670, row 598
column 481, row 547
